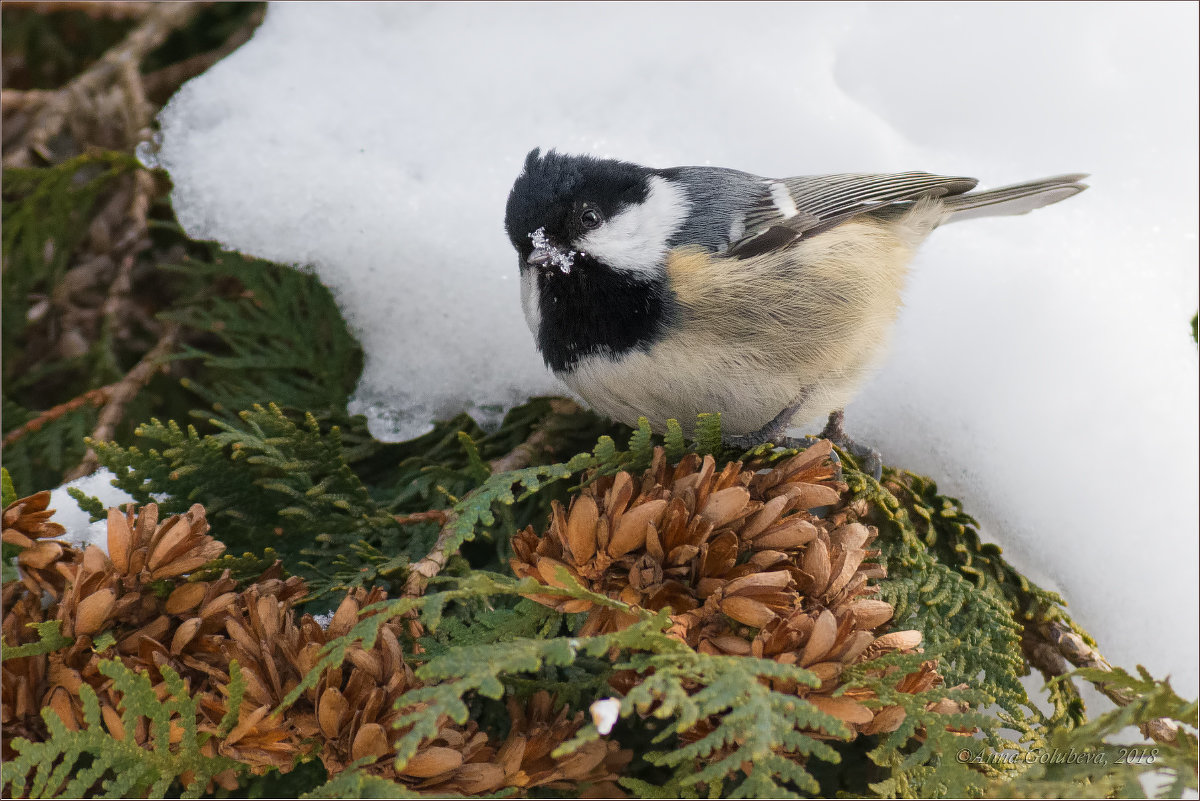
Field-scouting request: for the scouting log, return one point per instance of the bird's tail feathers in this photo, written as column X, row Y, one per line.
column 1015, row 199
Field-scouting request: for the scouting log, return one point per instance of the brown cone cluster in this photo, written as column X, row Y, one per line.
column 744, row 562
column 137, row 603
column 27, row 525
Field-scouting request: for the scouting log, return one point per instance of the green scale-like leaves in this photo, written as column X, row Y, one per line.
column 91, row 762
column 281, row 338
column 485, row 642
column 268, row 481
column 46, row 213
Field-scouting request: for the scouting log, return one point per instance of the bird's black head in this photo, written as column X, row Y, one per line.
column 592, row 238
column 567, row 197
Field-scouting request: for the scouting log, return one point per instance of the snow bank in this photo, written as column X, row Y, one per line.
column 1042, row 368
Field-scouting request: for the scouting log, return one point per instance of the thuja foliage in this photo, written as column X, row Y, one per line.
column 497, row 674
column 699, row 723
column 310, row 361
column 46, row 214
column 270, row 482
column 96, row 761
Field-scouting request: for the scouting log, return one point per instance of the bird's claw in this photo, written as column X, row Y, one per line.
column 869, row 459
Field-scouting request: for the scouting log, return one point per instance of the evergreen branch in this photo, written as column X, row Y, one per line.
column 93, row 397
column 751, row 723
column 281, row 338
column 163, row 82
column 476, row 509
column 73, row 763
column 972, row 628
column 372, row 617
column 1071, row 647
column 113, row 9
column 537, row 445
column 267, row 481
column 483, row 669
column 119, row 63
column 935, row 723
column 50, row 638
column 478, row 585
column 355, row 783
column 121, row 393
column 438, row 516
column 1082, row 759
column 754, row 731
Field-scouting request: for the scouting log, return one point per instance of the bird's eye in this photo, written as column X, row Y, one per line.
column 590, row 218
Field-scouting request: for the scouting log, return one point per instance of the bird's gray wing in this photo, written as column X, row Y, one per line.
column 790, row 209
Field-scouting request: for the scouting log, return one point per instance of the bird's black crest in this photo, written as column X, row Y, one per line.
column 545, row 191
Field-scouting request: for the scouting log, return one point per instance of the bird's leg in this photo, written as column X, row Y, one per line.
column 771, row 432
column 835, row 432
column 774, row 431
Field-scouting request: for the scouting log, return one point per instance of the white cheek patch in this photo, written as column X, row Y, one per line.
column 635, row 240
column 782, row 199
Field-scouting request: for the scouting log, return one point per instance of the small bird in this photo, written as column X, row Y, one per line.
column 664, row 293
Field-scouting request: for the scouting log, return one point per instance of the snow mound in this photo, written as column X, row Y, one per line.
column 1042, row 368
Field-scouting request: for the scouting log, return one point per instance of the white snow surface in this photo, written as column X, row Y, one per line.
column 1042, row 368
column 80, row 530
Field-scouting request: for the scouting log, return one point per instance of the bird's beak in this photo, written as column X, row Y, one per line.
column 540, row 257
column 545, row 255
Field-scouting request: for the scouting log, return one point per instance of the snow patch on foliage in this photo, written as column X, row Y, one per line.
column 80, row 530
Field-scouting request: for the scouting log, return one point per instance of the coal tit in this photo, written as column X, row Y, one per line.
column 665, row 293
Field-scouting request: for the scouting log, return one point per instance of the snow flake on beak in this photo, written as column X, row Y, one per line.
column 545, row 253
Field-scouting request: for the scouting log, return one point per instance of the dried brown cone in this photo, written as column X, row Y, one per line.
column 103, row 594
column 198, row 630
column 21, row 679
column 27, row 525
column 109, row 593
column 741, row 560
column 143, row 550
column 525, row 754
column 199, row 627
column 107, row 589
column 356, row 714
column 258, row 629
column 350, row 712
column 353, row 703
column 90, row 595
column 46, row 567
column 464, row 760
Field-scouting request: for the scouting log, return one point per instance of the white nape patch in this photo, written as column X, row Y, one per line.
column 529, row 300
column 635, row 239
column 737, row 228
column 782, row 199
